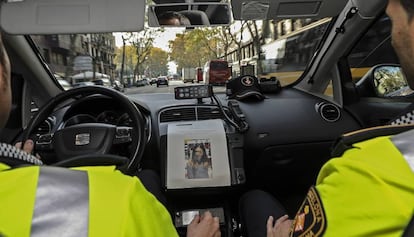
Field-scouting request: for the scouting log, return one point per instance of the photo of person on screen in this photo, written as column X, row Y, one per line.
column 199, row 164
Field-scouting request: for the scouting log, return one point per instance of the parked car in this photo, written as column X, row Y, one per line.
column 162, row 81
column 102, row 82
column 83, row 83
column 142, row 82
column 118, row 86
column 65, row 84
column 153, row 81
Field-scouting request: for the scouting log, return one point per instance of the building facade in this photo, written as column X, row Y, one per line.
column 263, row 48
column 59, row 51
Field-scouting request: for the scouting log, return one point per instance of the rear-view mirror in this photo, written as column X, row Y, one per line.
column 189, row 14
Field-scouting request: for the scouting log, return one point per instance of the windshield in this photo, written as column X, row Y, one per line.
column 128, row 61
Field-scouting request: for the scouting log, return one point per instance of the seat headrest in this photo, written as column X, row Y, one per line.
column 196, row 17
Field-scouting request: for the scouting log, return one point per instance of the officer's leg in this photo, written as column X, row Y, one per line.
column 255, row 208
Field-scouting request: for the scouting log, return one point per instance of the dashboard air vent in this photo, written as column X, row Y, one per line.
column 179, row 114
column 208, row 113
column 329, row 112
column 46, row 126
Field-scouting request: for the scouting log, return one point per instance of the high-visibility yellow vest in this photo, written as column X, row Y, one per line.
column 369, row 191
column 86, row 201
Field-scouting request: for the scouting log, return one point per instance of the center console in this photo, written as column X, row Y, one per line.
column 190, row 199
column 202, row 160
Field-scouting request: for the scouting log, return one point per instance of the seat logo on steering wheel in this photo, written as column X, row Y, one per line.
column 82, row 139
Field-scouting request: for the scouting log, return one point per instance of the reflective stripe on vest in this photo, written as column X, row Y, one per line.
column 404, row 143
column 62, row 203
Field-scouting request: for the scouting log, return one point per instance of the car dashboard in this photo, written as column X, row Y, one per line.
column 283, row 128
column 286, row 140
column 289, row 137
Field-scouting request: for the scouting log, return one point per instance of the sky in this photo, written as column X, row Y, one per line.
column 161, row 41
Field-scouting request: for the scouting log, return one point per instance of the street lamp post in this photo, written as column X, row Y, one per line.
column 123, row 60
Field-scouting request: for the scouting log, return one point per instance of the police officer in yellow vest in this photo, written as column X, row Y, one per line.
column 369, row 190
column 89, row 201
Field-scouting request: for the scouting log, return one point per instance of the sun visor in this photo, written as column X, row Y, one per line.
column 75, row 16
column 285, row 9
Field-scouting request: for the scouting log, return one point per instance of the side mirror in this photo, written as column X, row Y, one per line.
column 384, row 81
column 389, row 81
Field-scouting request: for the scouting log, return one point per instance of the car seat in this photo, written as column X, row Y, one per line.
column 196, row 17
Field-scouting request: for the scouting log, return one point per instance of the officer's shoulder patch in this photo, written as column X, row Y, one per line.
column 310, row 219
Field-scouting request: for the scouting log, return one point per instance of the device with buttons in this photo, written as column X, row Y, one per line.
column 193, row 92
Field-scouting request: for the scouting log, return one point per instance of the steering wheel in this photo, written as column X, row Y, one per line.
column 81, row 144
